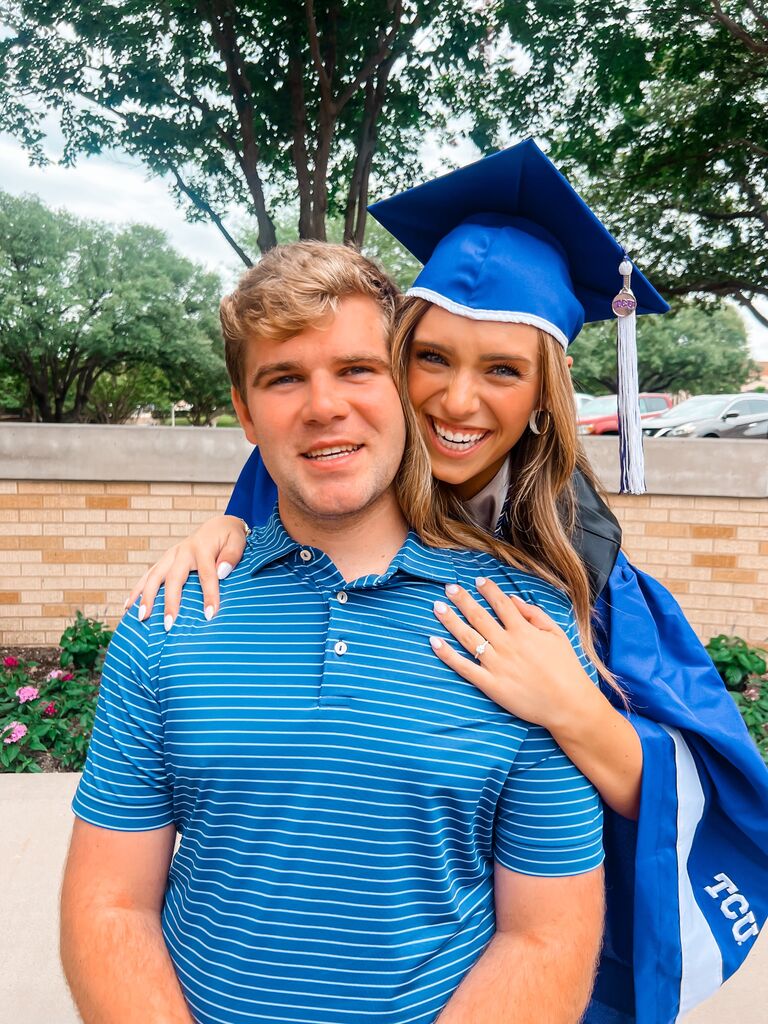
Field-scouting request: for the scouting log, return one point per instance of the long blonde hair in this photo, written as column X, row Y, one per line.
column 542, row 507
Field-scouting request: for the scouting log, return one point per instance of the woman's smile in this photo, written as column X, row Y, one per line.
column 456, row 440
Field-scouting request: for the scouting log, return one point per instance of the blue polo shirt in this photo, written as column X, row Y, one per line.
column 341, row 794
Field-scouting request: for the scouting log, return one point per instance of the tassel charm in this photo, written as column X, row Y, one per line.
column 630, row 430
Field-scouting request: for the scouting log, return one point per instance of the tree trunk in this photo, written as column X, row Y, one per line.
column 356, row 211
column 219, row 16
column 299, row 155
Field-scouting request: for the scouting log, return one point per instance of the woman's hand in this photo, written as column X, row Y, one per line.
column 529, row 666
column 213, row 550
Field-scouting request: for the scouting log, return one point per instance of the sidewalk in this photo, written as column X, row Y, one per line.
column 33, row 844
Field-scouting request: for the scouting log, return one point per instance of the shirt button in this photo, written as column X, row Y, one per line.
column 340, row 647
column 342, row 597
column 305, row 555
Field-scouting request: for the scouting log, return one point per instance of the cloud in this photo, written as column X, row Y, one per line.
column 115, row 189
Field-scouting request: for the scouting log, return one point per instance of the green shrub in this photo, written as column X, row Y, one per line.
column 83, row 643
column 743, row 670
column 52, row 717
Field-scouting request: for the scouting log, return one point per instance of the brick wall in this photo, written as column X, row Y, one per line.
column 68, row 545
column 712, row 553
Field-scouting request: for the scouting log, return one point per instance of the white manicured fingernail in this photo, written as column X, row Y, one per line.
column 209, row 612
column 223, row 570
column 451, row 589
column 440, row 607
column 167, row 622
column 480, row 581
column 142, row 612
column 435, row 642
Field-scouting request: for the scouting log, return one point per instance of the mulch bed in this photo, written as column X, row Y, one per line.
column 47, row 658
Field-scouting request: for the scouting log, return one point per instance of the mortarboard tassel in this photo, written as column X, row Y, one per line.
column 630, row 430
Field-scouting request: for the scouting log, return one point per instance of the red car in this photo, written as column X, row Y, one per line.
column 600, row 416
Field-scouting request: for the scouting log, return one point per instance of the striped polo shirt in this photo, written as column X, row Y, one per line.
column 341, row 794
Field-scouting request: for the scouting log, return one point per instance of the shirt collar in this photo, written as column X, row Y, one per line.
column 486, row 506
column 272, row 542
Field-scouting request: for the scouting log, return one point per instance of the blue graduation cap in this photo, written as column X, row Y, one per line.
column 509, row 239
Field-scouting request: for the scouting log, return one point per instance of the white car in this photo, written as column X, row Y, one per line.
column 581, row 399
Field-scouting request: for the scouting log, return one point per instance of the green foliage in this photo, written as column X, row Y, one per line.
column 743, row 670
column 83, row 643
column 54, row 717
column 704, row 352
column 252, row 105
column 736, row 661
column 83, row 307
column 201, row 379
column 660, row 109
column 115, row 397
column 379, row 245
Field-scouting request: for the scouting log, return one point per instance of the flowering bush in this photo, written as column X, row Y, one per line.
column 743, row 670
column 44, row 716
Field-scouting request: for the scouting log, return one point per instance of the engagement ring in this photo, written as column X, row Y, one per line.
column 481, row 649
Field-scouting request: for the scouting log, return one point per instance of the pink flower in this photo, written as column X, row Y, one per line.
column 49, row 710
column 18, row 732
column 10, row 662
column 752, row 693
column 59, row 673
column 25, row 693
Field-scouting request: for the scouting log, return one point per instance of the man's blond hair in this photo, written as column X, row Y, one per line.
column 294, row 287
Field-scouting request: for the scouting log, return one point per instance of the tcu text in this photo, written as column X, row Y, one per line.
column 735, row 907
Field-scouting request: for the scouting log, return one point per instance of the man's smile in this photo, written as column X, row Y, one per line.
column 331, row 452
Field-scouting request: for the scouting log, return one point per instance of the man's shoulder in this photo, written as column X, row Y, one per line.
column 531, row 588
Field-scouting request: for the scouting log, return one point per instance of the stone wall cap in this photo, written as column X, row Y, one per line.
column 53, row 451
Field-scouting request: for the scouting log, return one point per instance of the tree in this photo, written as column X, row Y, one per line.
column 116, row 397
column 687, row 350
column 250, row 104
column 659, row 108
column 379, row 245
column 79, row 300
column 201, row 379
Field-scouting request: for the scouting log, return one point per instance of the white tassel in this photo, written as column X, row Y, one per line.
column 630, row 429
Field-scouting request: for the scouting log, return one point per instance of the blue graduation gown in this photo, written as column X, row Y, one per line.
column 687, row 884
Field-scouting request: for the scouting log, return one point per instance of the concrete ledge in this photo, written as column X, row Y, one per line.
column 56, row 451
column 706, row 466
column 45, row 451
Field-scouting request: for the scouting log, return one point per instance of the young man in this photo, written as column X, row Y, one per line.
column 365, row 837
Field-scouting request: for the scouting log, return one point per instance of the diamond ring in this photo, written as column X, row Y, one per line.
column 481, row 649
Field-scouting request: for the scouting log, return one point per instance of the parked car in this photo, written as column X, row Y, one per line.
column 600, row 416
column 741, row 415
column 581, row 400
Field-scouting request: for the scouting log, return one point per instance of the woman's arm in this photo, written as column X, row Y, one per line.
column 212, row 551
column 531, row 669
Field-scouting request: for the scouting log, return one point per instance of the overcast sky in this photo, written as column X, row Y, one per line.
column 117, row 189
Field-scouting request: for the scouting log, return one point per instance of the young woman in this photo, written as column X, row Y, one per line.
column 479, row 351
